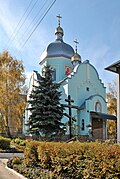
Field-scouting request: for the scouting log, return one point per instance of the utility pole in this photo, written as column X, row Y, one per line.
column 70, row 106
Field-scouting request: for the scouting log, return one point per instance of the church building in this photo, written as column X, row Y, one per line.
column 79, row 81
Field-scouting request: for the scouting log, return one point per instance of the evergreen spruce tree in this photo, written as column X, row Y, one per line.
column 46, row 110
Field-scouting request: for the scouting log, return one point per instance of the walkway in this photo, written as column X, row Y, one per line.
column 6, row 173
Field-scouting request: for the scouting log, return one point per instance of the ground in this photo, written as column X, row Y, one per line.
column 6, row 173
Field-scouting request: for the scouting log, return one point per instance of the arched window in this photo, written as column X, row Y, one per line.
column 54, row 75
column 98, row 107
column 83, row 125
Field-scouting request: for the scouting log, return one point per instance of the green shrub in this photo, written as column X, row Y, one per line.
column 18, row 143
column 4, row 143
column 74, row 160
column 32, row 173
column 16, row 160
column 80, row 160
column 30, row 153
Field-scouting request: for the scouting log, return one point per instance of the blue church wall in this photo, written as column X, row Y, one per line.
column 59, row 64
column 94, row 100
column 83, row 84
column 84, row 115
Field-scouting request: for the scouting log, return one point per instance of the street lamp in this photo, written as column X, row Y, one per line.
column 89, row 126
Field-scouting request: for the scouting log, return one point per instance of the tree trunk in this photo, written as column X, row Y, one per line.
column 8, row 131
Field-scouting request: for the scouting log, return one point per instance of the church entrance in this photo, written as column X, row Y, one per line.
column 97, row 129
column 99, row 126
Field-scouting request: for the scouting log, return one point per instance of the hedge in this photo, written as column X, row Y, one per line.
column 75, row 160
column 18, row 143
column 4, row 143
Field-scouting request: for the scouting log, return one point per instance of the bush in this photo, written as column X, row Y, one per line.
column 18, row 143
column 32, row 173
column 80, row 160
column 16, row 160
column 30, row 153
column 73, row 160
column 4, row 143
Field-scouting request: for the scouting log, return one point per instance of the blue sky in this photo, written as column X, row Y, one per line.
column 94, row 23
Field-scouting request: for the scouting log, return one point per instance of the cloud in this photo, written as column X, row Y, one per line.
column 6, row 18
column 9, row 20
column 114, row 31
column 99, row 55
column 30, row 53
column 96, row 52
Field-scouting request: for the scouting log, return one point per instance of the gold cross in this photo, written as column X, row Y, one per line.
column 59, row 17
column 76, row 42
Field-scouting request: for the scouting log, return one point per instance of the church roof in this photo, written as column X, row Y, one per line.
column 100, row 115
column 115, row 67
column 58, row 48
column 76, row 58
column 37, row 74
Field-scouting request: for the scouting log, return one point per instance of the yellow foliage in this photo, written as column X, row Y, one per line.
column 112, row 107
column 12, row 99
column 74, row 160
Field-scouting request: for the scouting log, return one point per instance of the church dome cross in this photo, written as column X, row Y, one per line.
column 76, row 43
column 59, row 31
column 59, row 17
column 76, row 58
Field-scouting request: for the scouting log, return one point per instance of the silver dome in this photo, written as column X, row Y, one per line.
column 59, row 48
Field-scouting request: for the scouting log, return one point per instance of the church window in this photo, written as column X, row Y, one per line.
column 54, row 75
column 98, row 107
column 83, row 125
column 87, row 88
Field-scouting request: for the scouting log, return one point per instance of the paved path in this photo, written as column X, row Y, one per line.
column 6, row 173
column 10, row 155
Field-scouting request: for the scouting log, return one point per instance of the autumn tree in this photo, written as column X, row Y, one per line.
column 12, row 92
column 44, row 105
column 112, row 106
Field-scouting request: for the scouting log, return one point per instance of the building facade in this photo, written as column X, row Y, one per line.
column 115, row 68
column 79, row 80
